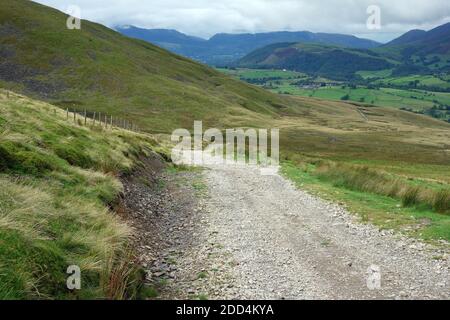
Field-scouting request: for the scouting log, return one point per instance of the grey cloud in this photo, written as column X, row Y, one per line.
column 207, row 17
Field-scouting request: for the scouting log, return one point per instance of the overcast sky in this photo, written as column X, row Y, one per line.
column 206, row 17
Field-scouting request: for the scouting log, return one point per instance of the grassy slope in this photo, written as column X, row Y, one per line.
column 410, row 150
column 337, row 131
column 384, row 211
column 99, row 69
column 57, row 179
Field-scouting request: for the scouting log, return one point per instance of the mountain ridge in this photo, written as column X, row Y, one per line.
column 224, row 48
column 415, row 52
column 334, row 62
column 408, row 37
column 420, row 42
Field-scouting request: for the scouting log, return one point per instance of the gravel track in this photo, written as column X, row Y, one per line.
column 283, row 243
column 229, row 232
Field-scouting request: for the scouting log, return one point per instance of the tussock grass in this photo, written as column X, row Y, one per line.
column 384, row 211
column 122, row 277
column 365, row 179
column 410, row 196
column 56, row 181
column 441, row 201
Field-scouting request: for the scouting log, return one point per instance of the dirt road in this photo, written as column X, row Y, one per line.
column 258, row 237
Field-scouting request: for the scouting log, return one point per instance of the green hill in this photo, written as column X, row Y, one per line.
column 420, row 52
column 422, row 43
column 99, row 69
column 410, row 36
column 329, row 61
column 415, row 52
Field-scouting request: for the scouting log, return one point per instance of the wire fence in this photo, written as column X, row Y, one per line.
column 99, row 119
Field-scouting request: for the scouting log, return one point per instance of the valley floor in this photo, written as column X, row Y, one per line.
column 249, row 236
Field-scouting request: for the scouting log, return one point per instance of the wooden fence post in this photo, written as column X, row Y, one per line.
column 85, row 117
column 94, row 119
column 74, row 116
column 67, row 114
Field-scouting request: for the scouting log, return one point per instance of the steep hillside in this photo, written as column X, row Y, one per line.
column 223, row 49
column 329, row 61
column 99, row 69
column 410, row 36
column 421, row 52
column 418, row 42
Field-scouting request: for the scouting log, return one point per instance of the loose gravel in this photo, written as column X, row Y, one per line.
column 252, row 236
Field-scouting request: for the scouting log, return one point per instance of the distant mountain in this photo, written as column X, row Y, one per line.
column 421, row 43
column 420, row 52
column 415, row 52
column 223, row 48
column 159, row 35
column 408, row 37
column 328, row 61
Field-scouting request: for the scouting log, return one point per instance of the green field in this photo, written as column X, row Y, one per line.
column 384, row 78
column 385, row 97
column 418, row 80
column 262, row 74
column 388, row 95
